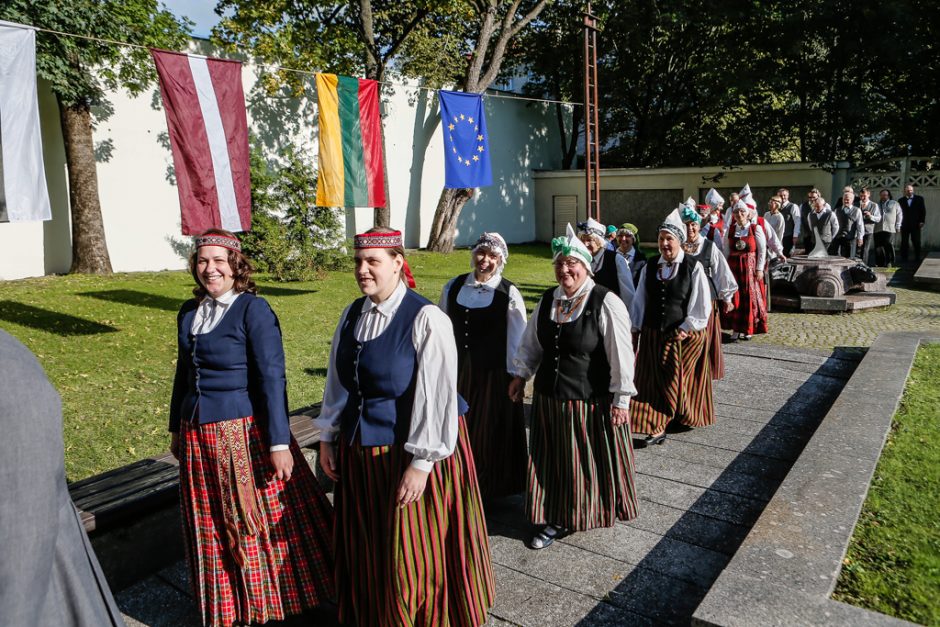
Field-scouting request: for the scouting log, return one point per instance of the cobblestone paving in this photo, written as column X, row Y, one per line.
column 916, row 309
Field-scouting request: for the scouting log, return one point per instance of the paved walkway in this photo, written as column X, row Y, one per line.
column 701, row 492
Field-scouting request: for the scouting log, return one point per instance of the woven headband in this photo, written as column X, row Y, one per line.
column 378, row 240
column 487, row 240
column 224, row 241
column 674, row 230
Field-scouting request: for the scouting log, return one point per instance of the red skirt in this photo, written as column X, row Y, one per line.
column 749, row 315
column 496, row 427
column 425, row 564
column 673, row 380
column 258, row 549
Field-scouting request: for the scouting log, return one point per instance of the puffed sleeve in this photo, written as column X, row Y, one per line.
column 638, row 310
column 515, row 325
column 442, row 302
column 725, row 284
column 266, row 361
column 334, row 394
column 529, row 354
column 433, row 433
column 797, row 219
column 614, row 326
column 761, row 248
column 700, row 301
column 625, row 281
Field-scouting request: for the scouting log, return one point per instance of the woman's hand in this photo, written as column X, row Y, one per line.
column 619, row 416
column 681, row 334
column 283, row 463
column 328, row 461
column 175, row 445
column 727, row 306
column 412, row 486
column 517, row 389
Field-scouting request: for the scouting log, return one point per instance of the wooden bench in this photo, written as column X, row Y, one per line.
column 125, row 494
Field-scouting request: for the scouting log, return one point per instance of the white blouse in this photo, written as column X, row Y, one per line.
column 210, row 312
column 724, row 281
column 700, row 301
column 476, row 295
column 614, row 326
column 624, row 276
column 759, row 236
column 433, row 432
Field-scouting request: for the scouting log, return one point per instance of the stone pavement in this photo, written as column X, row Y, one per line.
column 700, row 494
column 917, row 309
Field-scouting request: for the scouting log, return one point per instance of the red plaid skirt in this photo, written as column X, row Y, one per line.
column 258, row 549
column 749, row 315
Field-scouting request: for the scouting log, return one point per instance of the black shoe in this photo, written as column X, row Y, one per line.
column 547, row 536
column 649, row 440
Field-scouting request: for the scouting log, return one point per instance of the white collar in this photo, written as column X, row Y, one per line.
column 559, row 293
column 390, row 305
column 492, row 282
column 678, row 258
column 225, row 299
column 630, row 254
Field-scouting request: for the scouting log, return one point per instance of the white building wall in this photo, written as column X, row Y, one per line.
column 140, row 203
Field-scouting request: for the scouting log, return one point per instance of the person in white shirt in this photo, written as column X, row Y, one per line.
column 891, row 218
column 628, row 240
column 577, row 345
column 773, row 218
column 394, row 439
column 489, row 317
column 792, row 221
column 670, row 312
column 608, row 269
column 871, row 216
column 720, row 282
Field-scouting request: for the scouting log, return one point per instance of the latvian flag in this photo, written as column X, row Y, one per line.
column 23, row 193
column 205, row 114
column 350, row 163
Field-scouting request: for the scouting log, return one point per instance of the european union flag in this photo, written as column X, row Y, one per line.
column 466, row 145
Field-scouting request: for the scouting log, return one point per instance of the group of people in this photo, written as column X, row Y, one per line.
column 422, row 417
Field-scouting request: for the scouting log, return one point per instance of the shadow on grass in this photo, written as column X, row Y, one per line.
column 51, row 321
column 140, row 299
column 315, row 372
column 273, row 290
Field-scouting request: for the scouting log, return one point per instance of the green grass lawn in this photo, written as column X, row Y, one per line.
column 109, row 344
column 893, row 562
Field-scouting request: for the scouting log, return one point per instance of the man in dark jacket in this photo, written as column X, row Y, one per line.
column 49, row 574
column 915, row 215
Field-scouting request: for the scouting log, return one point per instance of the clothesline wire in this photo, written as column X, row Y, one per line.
column 277, row 67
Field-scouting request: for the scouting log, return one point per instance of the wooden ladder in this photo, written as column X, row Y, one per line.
column 591, row 148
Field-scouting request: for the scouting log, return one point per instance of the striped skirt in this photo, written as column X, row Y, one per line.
column 673, row 380
column 426, row 564
column 496, row 427
column 258, row 549
column 581, row 470
column 716, row 355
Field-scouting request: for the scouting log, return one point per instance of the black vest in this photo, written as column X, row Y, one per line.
column 667, row 302
column 574, row 365
column 480, row 333
column 607, row 275
column 846, row 224
column 787, row 211
column 704, row 257
column 815, row 222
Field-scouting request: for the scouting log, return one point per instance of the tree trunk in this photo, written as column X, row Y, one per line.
column 89, row 248
column 448, row 210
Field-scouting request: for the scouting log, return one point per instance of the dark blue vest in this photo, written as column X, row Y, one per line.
column 379, row 376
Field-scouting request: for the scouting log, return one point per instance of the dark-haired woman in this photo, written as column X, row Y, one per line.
column 256, row 523
column 489, row 317
column 411, row 544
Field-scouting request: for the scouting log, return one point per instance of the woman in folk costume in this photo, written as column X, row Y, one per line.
column 489, row 317
column 671, row 312
column 628, row 246
column 609, row 269
column 577, row 345
column 746, row 252
column 256, row 523
column 714, row 226
column 410, row 537
column 721, row 283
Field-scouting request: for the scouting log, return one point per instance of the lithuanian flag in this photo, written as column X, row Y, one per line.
column 350, row 168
